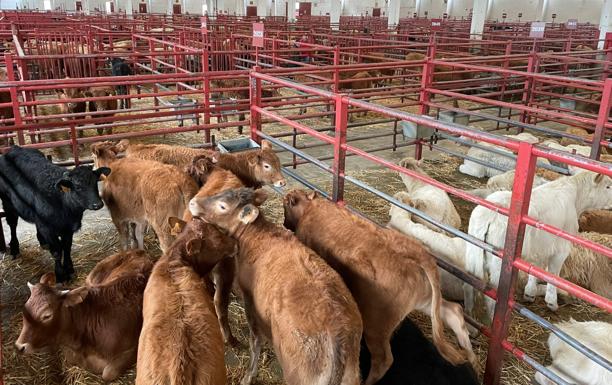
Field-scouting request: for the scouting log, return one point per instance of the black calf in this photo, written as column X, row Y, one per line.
column 119, row 67
column 416, row 361
column 51, row 197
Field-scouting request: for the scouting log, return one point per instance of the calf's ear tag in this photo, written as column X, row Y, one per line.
column 64, row 188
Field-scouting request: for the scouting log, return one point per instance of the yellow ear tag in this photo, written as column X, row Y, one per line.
column 65, row 189
column 176, row 229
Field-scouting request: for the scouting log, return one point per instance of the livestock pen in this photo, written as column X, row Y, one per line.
column 459, row 92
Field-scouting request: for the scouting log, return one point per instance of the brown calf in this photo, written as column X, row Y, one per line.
column 254, row 168
column 598, row 221
column 180, row 342
column 291, row 295
column 98, row 324
column 216, row 180
column 388, row 273
column 102, row 105
column 142, row 192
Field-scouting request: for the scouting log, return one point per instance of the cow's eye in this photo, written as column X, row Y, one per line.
column 46, row 317
column 222, row 206
column 267, row 167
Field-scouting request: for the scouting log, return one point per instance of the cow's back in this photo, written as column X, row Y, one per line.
column 180, row 342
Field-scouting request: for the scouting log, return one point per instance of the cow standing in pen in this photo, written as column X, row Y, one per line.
column 49, row 196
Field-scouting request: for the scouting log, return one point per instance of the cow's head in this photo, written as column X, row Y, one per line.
column 230, row 209
column 201, row 167
column 266, row 167
column 105, row 152
column 43, row 313
column 80, row 187
column 295, row 204
column 201, row 243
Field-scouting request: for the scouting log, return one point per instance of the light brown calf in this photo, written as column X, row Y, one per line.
column 389, row 274
column 142, row 192
column 97, row 325
column 598, row 221
column 254, row 168
column 216, row 180
column 180, row 342
column 291, row 295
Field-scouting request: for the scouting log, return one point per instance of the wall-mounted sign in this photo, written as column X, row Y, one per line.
column 520, row 14
column 436, row 24
column 258, row 35
column 537, row 29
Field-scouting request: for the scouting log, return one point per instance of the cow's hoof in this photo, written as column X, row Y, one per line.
column 552, row 306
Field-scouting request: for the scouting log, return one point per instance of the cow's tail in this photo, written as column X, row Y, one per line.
column 446, row 349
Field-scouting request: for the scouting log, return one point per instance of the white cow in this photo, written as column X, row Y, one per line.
column 558, row 203
column 573, row 366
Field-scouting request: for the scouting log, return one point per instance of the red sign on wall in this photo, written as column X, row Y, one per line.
column 537, row 29
column 572, row 24
column 258, row 35
column 436, row 24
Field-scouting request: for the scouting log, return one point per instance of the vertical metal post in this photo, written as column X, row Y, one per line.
column 527, row 85
column 339, row 151
column 602, row 118
column 10, row 74
column 255, row 101
column 513, row 246
column 424, row 97
column 206, row 81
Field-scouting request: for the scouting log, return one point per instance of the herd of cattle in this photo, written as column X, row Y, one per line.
column 312, row 288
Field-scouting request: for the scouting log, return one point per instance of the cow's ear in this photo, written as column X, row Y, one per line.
column 598, row 178
column 259, row 197
column 266, row 145
column 64, row 185
column 102, row 172
column 48, row 279
column 193, row 246
column 176, row 225
column 215, row 156
column 248, row 214
column 290, row 199
column 312, row 195
column 75, row 296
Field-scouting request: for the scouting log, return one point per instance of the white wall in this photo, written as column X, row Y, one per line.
column 583, row 10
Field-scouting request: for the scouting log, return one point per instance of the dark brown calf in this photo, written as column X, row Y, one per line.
column 102, row 105
column 291, row 295
column 181, row 343
column 98, row 324
column 389, row 274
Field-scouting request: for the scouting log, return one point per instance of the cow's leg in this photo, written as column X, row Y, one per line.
column 241, row 118
column 12, row 218
column 254, row 341
column 66, row 241
column 223, row 277
column 378, row 341
column 554, row 266
column 139, row 231
column 531, row 289
column 119, row 364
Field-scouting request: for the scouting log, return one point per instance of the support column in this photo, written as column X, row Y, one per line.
column 605, row 23
column 262, row 7
column 86, row 7
column 449, row 7
column 543, row 9
column 169, row 7
column 393, row 12
column 128, row 8
column 479, row 16
column 335, row 11
column 290, row 9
